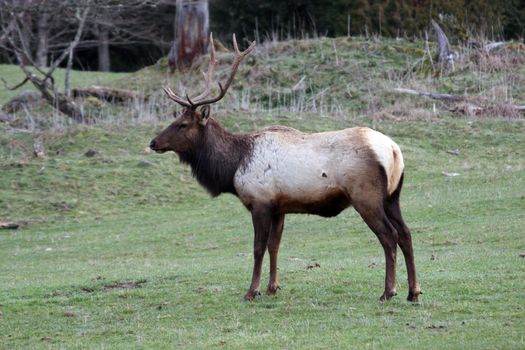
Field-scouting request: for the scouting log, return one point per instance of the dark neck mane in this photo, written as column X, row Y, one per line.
column 216, row 158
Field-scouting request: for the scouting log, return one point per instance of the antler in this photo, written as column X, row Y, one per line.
column 200, row 99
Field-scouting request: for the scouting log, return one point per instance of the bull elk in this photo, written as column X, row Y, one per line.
column 280, row 170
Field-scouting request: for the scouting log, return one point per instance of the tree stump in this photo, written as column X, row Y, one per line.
column 191, row 34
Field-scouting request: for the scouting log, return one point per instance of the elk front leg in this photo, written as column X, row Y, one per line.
column 261, row 219
column 274, row 240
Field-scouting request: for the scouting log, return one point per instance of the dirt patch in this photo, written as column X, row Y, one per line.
column 312, row 266
column 124, row 285
column 115, row 285
column 70, row 314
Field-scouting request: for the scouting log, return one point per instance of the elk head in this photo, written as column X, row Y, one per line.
column 187, row 129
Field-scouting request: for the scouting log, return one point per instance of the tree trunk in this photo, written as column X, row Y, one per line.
column 43, row 40
column 104, row 62
column 191, row 34
column 7, row 31
column 58, row 100
column 67, row 77
column 24, row 36
column 444, row 47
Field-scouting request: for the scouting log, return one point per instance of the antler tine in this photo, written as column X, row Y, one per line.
column 208, row 75
column 207, row 78
column 179, row 100
column 235, row 46
column 235, row 65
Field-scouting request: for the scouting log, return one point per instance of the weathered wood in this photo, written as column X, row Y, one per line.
column 473, row 105
column 444, row 47
column 492, row 46
column 24, row 99
column 58, row 100
column 107, row 94
column 191, row 34
column 4, row 118
column 38, row 149
column 9, row 225
column 432, row 95
column 43, row 39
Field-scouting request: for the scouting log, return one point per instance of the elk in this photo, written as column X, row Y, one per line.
column 280, row 170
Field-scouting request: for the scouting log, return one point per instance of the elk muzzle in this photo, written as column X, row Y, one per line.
column 154, row 145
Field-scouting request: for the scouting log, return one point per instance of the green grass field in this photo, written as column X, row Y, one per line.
column 13, row 76
column 124, row 249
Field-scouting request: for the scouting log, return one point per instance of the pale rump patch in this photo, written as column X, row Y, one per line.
column 389, row 156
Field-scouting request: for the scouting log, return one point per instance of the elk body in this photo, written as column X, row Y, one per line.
column 280, row 170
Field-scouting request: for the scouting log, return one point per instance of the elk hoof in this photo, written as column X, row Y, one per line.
column 413, row 297
column 252, row 294
column 272, row 288
column 387, row 296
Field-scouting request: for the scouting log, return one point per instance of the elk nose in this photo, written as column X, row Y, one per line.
column 152, row 144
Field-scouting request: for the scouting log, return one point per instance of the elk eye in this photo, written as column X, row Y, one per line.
column 183, row 125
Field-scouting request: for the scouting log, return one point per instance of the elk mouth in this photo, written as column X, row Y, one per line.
column 155, row 147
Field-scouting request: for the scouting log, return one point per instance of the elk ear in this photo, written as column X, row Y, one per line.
column 205, row 114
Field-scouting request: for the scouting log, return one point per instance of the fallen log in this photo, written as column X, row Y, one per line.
column 24, row 99
column 454, row 98
column 9, row 225
column 432, row 95
column 471, row 106
column 111, row 95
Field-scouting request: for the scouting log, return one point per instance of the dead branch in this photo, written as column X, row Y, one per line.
column 72, row 45
column 432, row 95
column 6, row 31
column 69, row 51
column 22, row 83
column 111, row 95
column 492, row 46
column 472, row 106
column 46, row 85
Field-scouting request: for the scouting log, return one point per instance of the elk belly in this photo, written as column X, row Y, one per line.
column 293, row 177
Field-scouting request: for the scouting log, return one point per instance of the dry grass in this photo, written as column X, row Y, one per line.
column 338, row 77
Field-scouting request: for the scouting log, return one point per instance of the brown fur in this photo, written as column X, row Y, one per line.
column 331, row 204
column 213, row 153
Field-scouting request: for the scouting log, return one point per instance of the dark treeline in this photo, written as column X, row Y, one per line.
column 493, row 19
column 126, row 35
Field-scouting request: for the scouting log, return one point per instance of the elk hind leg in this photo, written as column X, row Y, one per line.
column 376, row 219
column 393, row 212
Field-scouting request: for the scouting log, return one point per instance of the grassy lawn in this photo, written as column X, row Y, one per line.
column 124, row 250
column 122, row 253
